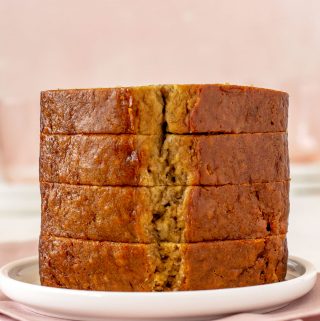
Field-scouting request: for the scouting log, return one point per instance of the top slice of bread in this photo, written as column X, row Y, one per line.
column 152, row 110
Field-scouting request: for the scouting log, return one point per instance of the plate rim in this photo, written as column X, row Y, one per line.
column 179, row 305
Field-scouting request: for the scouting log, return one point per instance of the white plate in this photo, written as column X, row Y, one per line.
column 19, row 281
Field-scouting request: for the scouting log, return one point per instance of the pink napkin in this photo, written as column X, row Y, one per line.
column 306, row 308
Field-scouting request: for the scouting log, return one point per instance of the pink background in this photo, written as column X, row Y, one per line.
column 47, row 44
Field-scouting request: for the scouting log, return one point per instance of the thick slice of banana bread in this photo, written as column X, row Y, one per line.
column 172, row 160
column 93, row 265
column 170, row 108
column 157, row 214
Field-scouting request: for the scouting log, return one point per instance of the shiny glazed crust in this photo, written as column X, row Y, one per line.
column 174, row 213
column 93, row 265
column 178, row 109
column 171, row 160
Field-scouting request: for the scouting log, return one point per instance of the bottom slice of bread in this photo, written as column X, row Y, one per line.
column 95, row 265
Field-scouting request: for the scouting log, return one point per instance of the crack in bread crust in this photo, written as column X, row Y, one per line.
column 169, row 270
column 168, row 220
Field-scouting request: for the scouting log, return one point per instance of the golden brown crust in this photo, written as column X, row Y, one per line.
column 174, row 213
column 178, row 160
column 144, row 110
column 225, row 109
column 93, row 265
column 102, row 110
column 235, row 263
column 237, row 211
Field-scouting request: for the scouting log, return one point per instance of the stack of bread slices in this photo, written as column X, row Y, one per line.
column 163, row 188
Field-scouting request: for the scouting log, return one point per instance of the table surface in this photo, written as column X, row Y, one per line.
column 303, row 236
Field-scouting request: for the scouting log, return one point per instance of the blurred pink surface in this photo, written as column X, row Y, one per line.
column 68, row 44
column 19, row 131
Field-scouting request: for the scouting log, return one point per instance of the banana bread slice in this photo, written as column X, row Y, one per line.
column 171, row 108
column 165, row 214
column 171, row 160
column 94, row 265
